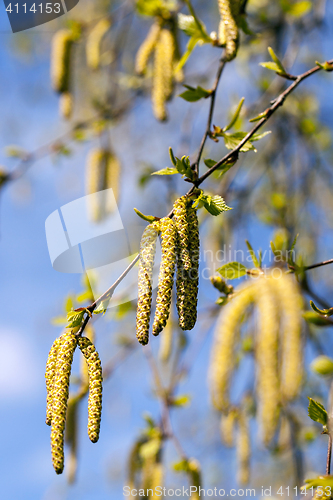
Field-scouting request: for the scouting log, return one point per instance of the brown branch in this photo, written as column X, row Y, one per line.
column 329, row 455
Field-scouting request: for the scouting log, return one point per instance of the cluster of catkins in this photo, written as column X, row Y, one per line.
column 62, row 63
column 180, row 246
column 57, row 375
column 228, row 35
column 161, row 42
column 102, row 173
column 278, row 347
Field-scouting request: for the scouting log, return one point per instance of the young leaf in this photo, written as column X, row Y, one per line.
column 231, row 141
column 195, row 94
column 252, row 253
column 75, row 318
column 316, row 319
column 276, row 60
column 235, row 116
column 325, row 66
column 324, row 312
column 172, row 157
column 183, row 400
column 272, row 66
column 209, row 163
column 317, row 412
column 258, row 117
column 148, row 218
column 166, row 171
column 232, row 270
column 213, row 204
column 196, row 30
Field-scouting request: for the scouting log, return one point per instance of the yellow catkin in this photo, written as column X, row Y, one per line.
column 291, row 304
column 146, row 265
column 166, row 342
column 166, row 274
column 162, row 73
column 222, row 357
column 94, row 42
column 49, row 378
column 112, row 175
column 67, row 345
column 227, row 427
column 146, row 49
column 84, row 372
column 194, row 473
column 95, row 387
column 180, row 217
column 268, row 389
column 156, row 479
column 66, row 105
column 60, row 60
column 243, row 449
column 228, row 30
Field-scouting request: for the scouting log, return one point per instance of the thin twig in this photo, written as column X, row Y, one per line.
column 329, row 455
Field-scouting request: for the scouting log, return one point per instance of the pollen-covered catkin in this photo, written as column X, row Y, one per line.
column 228, row 30
column 243, row 449
column 291, row 304
column 222, row 358
column 60, row 60
column 94, row 41
column 227, row 427
column 95, row 173
column 166, row 274
column 187, row 282
column 180, row 217
column 49, row 378
column 66, row 105
column 67, row 345
column 112, row 175
column 146, row 265
column 266, row 351
column 95, row 387
column 162, row 73
column 156, row 479
column 146, row 49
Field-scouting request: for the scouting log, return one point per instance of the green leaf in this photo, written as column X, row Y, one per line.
column 213, row 204
column 324, row 312
column 235, row 116
column 258, row 117
column 148, row 218
column 323, row 365
column 231, row 141
column 316, row 319
column 232, row 270
column 189, row 49
column 222, row 169
column 172, row 157
column 298, row 9
column 321, row 482
column 210, row 163
column 272, row 66
column 197, row 32
column 183, row 166
column 276, row 60
column 195, row 94
column 75, row 318
column 187, row 24
column 102, row 307
column 166, row 171
column 317, row 412
column 183, row 400
column 252, row 253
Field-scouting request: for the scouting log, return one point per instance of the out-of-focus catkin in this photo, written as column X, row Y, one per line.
column 227, row 427
column 66, row 105
column 94, row 42
column 223, row 359
column 266, row 351
column 194, row 472
column 67, row 345
column 187, row 282
column 49, row 378
column 95, row 387
column 166, row 274
column 243, row 449
column 163, row 73
column 166, row 342
column 146, row 265
column 61, row 60
column 228, row 30
column 291, row 305
column 147, row 47
column 112, row 176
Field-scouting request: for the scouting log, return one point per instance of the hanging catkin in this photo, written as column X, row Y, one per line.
column 166, row 274
column 223, row 358
column 227, row 427
column 187, row 282
column 146, row 265
column 66, row 105
column 112, row 175
column 266, row 351
column 67, row 345
column 95, row 387
column 162, row 73
column 243, row 449
column 71, row 438
column 146, row 49
column 94, row 42
column 180, row 217
column 228, row 30
column 194, row 472
column 291, row 304
column 60, row 60
column 49, row 378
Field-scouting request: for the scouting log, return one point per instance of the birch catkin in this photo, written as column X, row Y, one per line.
column 146, row 49
column 180, row 217
column 291, row 304
column 227, row 427
column 222, row 359
column 67, row 345
column 228, row 30
column 166, row 274
column 66, row 105
column 95, row 387
column 112, row 175
column 162, row 73
column 49, row 378
column 146, row 265
column 60, row 60
column 268, row 390
column 94, row 41
column 243, row 449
